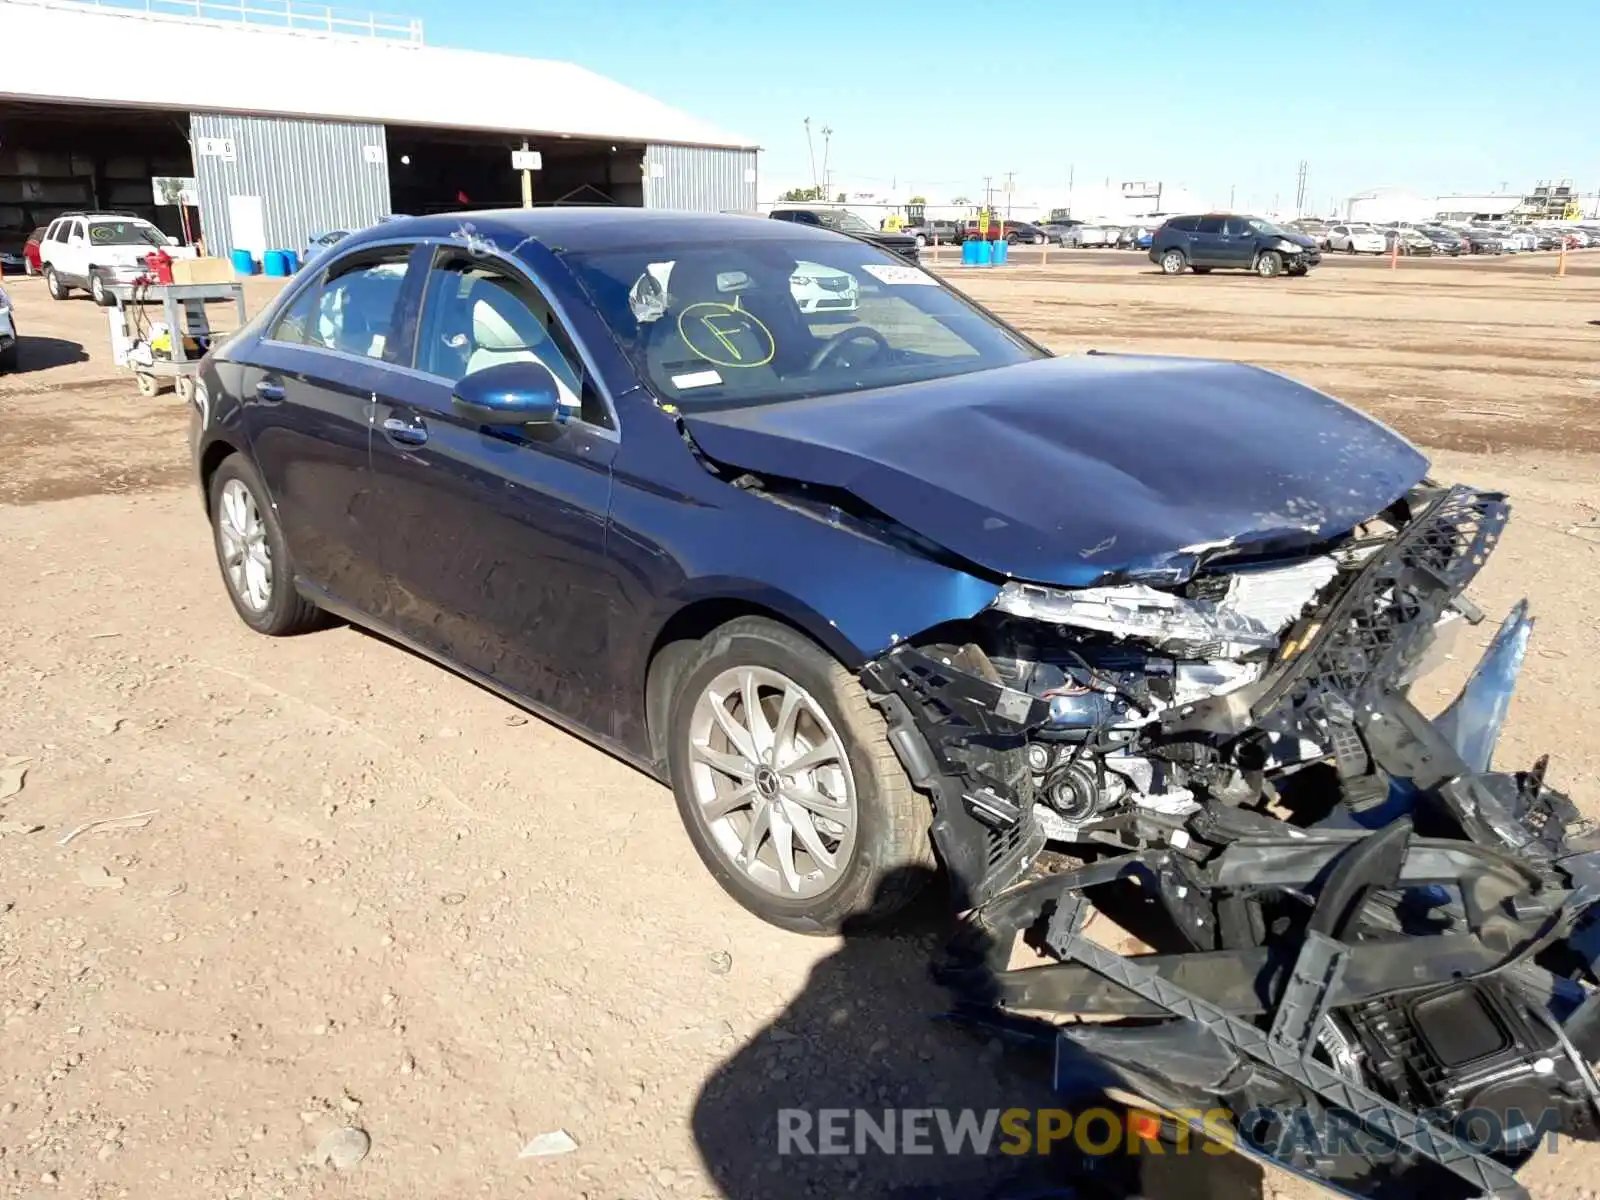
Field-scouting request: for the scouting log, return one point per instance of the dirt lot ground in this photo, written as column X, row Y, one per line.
column 370, row 894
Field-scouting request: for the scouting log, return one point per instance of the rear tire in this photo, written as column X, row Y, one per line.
column 1173, row 262
column 27, row 266
column 53, row 284
column 284, row 611
column 889, row 856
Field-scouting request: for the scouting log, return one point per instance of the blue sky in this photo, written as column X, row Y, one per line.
column 1437, row 95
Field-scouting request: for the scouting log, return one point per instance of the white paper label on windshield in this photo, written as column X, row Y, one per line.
column 696, row 379
column 895, row 274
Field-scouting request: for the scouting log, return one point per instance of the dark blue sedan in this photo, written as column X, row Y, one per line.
column 872, row 590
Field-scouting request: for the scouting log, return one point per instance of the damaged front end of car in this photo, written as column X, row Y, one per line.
column 1353, row 917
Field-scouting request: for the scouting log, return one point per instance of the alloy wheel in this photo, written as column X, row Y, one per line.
column 772, row 782
column 242, row 537
column 1172, row 263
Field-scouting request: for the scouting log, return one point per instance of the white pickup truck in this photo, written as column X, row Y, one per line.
column 96, row 251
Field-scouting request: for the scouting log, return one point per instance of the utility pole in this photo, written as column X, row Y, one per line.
column 812, row 151
column 988, row 193
column 1071, row 173
column 1231, row 188
column 1010, row 191
column 827, row 144
column 527, row 181
column 1300, row 190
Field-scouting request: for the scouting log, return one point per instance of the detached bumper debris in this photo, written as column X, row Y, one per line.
column 1374, row 950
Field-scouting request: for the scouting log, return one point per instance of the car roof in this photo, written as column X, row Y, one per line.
column 582, row 229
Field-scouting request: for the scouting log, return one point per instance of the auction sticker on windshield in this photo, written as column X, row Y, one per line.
column 893, row 273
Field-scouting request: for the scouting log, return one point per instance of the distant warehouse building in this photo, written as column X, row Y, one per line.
column 292, row 119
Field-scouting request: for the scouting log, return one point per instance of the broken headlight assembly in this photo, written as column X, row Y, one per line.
column 1372, row 948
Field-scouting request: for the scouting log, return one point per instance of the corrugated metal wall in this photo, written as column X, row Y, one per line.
column 310, row 176
column 699, row 178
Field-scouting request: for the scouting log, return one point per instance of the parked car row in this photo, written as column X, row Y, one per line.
column 1448, row 238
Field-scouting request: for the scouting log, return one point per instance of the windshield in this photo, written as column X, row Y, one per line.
column 719, row 324
column 126, row 233
column 844, row 222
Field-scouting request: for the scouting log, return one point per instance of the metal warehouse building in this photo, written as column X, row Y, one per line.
column 295, row 118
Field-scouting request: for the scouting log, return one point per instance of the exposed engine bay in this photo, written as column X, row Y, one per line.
column 1351, row 915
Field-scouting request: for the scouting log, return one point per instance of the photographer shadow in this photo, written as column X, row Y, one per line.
column 804, row 1107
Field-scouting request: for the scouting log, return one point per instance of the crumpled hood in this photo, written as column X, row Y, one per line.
column 1066, row 470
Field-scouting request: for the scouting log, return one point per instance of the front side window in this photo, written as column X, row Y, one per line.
column 355, row 308
column 718, row 324
column 77, row 229
column 476, row 315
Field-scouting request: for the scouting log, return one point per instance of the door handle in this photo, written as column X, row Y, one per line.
column 271, row 392
column 405, row 432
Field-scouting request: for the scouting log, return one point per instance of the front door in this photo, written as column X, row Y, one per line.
column 495, row 537
column 308, row 414
column 1237, row 247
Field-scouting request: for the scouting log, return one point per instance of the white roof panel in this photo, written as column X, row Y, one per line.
column 140, row 59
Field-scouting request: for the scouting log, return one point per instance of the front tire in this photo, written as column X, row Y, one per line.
column 1269, row 264
column 1173, row 262
column 255, row 563
column 99, row 293
column 843, row 838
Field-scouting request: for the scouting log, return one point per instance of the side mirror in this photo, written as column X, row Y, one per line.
column 513, row 393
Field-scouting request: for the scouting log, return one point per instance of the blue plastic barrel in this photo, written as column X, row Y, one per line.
column 1001, row 247
column 969, row 254
column 243, row 263
column 985, row 254
column 291, row 259
column 273, row 263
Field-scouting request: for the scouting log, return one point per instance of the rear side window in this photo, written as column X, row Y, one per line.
column 55, row 232
column 1209, row 225
column 355, row 310
column 1183, row 224
column 294, row 323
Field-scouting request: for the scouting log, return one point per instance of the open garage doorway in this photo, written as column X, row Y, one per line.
column 57, row 158
column 437, row 170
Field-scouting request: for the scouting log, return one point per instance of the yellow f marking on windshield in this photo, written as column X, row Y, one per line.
column 725, row 335
column 722, row 335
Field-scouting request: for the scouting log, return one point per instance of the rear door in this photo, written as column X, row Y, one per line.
column 1205, row 243
column 495, row 536
column 72, row 260
column 308, row 405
